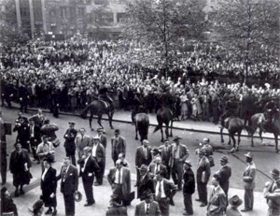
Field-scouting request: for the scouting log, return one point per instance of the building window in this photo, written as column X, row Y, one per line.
column 63, row 12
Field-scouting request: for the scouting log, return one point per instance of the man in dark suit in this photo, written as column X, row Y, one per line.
column 118, row 144
column 188, row 187
column 202, row 177
column 23, row 130
column 48, row 186
column 120, row 181
column 34, row 139
column 103, row 138
column 225, row 174
column 69, row 185
column 69, row 144
column 164, row 192
column 247, row 103
column 98, row 153
column 89, row 168
column 179, row 153
column 165, row 155
column 143, row 156
column 145, row 182
column 217, row 200
column 147, row 207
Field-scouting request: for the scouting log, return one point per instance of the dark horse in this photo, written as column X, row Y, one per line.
column 98, row 108
column 164, row 116
column 142, row 124
column 233, row 125
column 273, row 127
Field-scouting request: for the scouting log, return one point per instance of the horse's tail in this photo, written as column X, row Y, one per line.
column 84, row 112
column 143, row 127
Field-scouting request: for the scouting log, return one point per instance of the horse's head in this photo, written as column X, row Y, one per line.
column 268, row 114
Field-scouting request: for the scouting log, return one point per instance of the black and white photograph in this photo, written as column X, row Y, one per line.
column 140, row 107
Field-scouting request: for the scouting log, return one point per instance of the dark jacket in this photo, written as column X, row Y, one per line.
column 69, row 137
column 189, row 182
column 70, row 185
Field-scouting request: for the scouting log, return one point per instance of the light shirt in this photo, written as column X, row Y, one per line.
column 160, row 184
column 147, row 205
column 145, row 152
column 83, row 169
column 32, row 131
column 64, row 177
column 177, row 156
column 157, row 168
column 119, row 174
column 94, row 150
column 44, row 173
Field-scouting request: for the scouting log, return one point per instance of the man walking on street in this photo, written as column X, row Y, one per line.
column 118, row 145
column 249, row 183
column 69, row 185
column 225, row 174
column 188, row 187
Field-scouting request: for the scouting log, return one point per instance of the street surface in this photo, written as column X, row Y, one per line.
column 264, row 156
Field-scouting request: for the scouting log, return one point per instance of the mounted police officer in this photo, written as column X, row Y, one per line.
column 271, row 112
column 103, row 94
column 231, row 109
column 166, row 99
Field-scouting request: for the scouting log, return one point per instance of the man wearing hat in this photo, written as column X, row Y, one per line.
column 217, row 200
column 225, row 174
column 98, row 153
column 7, row 203
column 165, row 155
column 188, row 187
column 202, row 177
column 69, row 144
column 82, row 140
column 147, row 207
column 69, row 185
column 102, row 137
column 234, row 203
column 143, row 155
column 118, row 144
column 273, row 199
column 249, row 176
column 89, row 169
column 209, row 150
column 275, row 176
column 116, row 207
column 178, row 154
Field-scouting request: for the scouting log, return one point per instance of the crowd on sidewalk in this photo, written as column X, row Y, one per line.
column 161, row 173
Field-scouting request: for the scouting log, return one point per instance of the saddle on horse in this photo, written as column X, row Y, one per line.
column 108, row 102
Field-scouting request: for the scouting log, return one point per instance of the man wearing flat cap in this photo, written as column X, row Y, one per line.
column 273, row 199
column 234, row 203
column 225, row 174
column 69, row 144
column 179, row 153
column 249, row 176
column 188, row 187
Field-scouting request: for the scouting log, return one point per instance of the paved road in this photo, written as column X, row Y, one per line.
column 265, row 159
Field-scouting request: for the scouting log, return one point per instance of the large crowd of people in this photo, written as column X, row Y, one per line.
column 68, row 75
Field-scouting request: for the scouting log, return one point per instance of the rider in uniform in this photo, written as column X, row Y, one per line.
column 167, row 100
column 272, row 109
column 230, row 109
column 103, row 94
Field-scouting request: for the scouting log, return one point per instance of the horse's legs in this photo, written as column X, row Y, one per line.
column 110, row 116
column 276, row 142
column 222, row 138
column 90, row 121
column 99, row 120
column 160, row 125
column 166, row 131
column 239, row 134
column 171, row 134
column 136, row 132
column 231, row 136
column 260, row 134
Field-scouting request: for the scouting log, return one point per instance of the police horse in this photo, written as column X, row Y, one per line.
column 142, row 123
column 97, row 107
column 164, row 116
column 273, row 126
column 233, row 125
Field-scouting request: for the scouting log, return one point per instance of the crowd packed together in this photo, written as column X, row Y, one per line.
column 161, row 172
column 68, row 75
